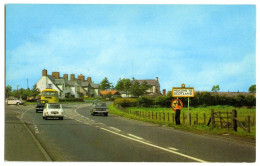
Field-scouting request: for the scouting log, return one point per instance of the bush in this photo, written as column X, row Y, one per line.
column 126, row 102
column 163, row 101
column 145, row 101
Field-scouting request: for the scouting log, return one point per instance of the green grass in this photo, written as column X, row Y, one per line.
column 146, row 115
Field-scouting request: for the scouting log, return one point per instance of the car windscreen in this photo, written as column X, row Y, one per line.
column 101, row 104
column 54, row 106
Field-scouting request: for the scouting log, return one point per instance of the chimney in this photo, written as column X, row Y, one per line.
column 164, row 92
column 72, row 77
column 89, row 79
column 81, row 77
column 65, row 76
column 157, row 79
column 56, row 75
column 44, row 72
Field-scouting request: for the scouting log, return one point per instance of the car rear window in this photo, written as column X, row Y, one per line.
column 54, row 106
column 101, row 104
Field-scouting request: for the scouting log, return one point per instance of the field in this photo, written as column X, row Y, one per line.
column 199, row 118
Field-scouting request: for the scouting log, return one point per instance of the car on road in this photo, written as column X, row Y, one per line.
column 40, row 105
column 99, row 108
column 15, row 101
column 52, row 110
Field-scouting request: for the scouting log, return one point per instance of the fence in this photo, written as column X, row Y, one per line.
column 227, row 119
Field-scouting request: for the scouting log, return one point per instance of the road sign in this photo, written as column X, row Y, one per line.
column 176, row 104
column 182, row 92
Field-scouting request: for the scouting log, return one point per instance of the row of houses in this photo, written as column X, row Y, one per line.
column 79, row 87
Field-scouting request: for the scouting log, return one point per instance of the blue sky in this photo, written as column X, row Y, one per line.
column 199, row 45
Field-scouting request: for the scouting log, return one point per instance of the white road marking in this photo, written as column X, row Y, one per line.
column 155, row 146
column 172, row 148
column 135, row 136
column 118, row 130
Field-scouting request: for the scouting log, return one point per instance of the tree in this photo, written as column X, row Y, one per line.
column 8, row 91
column 252, row 89
column 215, row 88
column 105, row 84
column 123, row 85
column 138, row 90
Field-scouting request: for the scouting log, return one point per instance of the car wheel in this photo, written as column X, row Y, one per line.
column 61, row 118
column 46, row 118
column 106, row 114
column 43, row 117
column 17, row 103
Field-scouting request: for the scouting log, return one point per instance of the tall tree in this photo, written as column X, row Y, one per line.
column 252, row 89
column 123, row 85
column 138, row 90
column 215, row 88
column 105, row 84
column 8, row 91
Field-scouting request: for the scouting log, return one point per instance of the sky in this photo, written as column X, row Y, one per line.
column 199, row 45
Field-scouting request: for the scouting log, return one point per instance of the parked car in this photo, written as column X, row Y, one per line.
column 52, row 110
column 15, row 101
column 99, row 108
column 40, row 105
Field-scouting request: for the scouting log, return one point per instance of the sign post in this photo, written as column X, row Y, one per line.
column 184, row 92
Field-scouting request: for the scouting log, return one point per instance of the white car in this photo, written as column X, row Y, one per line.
column 52, row 110
column 15, row 101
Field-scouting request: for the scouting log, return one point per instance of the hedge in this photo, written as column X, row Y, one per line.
column 126, row 102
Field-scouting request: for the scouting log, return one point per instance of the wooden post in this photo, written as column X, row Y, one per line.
column 220, row 119
column 248, row 123
column 234, row 121
column 189, row 119
column 173, row 117
column 227, row 121
column 156, row 115
column 212, row 118
column 168, row 117
column 197, row 119
column 160, row 117
column 204, row 118
column 163, row 116
column 183, row 117
column 152, row 115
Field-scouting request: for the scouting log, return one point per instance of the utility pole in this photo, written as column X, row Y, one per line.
column 17, row 91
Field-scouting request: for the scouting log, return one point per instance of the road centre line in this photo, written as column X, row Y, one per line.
column 135, row 136
column 172, row 148
column 115, row 129
column 155, row 146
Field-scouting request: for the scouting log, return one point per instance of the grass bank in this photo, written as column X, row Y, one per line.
column 165, row 116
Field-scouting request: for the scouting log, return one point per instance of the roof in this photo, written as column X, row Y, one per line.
column 105, row 92
column 149, row 81
column 96, row 86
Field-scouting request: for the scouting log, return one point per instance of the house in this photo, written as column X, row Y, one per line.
column 155, row 86
column 154, row 90
column 112, row 92
column 68, row 88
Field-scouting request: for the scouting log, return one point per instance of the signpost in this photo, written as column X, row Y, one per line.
column 184, row 92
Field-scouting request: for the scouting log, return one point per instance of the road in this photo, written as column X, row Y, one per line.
column 83, row 137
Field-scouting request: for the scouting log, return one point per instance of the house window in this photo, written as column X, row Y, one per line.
column 49, row 86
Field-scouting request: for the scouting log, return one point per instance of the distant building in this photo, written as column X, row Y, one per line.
column 68, row 88
column 154, row 90
column 155, row 86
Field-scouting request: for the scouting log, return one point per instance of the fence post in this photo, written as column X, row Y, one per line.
column 156, row 115
column 227, row 121
column 152, row 115
column 220, row 119
column 164, row 117
column 173, row 117
column 183, row 117
column 204, row 118
column 234, row 121
column 212, row 118
column 189, row 118
column 160, row 116
column 248, row 123
column 168, row 116
column 197, row 119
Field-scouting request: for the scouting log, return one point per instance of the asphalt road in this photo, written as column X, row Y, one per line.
column 83, row 137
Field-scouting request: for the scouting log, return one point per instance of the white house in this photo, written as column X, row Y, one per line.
column 68, row 88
